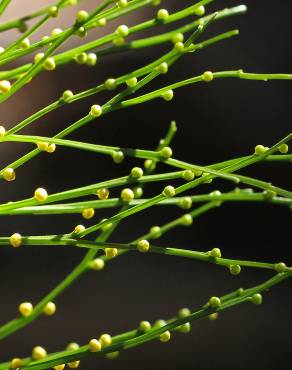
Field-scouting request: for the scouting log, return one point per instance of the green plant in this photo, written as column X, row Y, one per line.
column 101, row 251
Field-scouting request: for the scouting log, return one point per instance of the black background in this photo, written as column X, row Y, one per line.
column 216, row 121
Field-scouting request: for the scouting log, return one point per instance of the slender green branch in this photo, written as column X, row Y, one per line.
column 190, row 81
column 55, row 240
column 3, row 5
column 78, row 207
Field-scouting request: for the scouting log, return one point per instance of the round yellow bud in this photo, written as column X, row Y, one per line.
column 49, row 309
column 16, row 363
column 15, row 240
column 200, row 10
column 9, row 174
column 162, row 14
column 119, row 41
column 2, row 131
column 72, row 346
column 96, row 110
column 97, row 264
column 25, row 308
column 111, row 252
column 5, row 86
column 143, row 246
column 214, row 302
column 131, row 82
column 88, row 213
column 38, row 57
column 56, row 31
column 94, row 345
column 165, row 337
column 167, row 95
column 105, row 340
column 51, row 148
column 283, row 148
column 50, row 64
column 213, row 316
column 122, row 31
column 259, row 149
column 53, row 11
column 25, row 43
column 122, row 3
column 40, row 194
column 38, row 353
column 79, row 229
column 102, row 193
column 207, row 76
column 127, row 195
column 101, row 22
column 81, row 16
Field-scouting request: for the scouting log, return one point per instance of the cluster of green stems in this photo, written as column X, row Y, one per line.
column 203, row 174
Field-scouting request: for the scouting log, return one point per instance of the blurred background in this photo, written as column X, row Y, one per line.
column 216, row 122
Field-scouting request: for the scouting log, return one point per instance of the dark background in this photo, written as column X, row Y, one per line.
column 216, row 121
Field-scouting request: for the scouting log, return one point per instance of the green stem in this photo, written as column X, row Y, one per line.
column 190, row 81
column 3, row 5
column 78, row 207
column 55, row 240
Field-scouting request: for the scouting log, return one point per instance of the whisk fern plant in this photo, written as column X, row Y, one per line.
column 183, row 41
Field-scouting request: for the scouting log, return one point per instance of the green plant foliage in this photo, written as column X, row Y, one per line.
column 183, row 41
